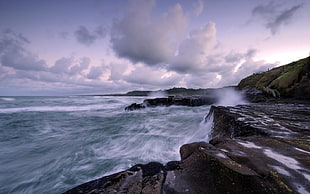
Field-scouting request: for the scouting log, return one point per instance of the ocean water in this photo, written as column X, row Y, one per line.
column 51, row 144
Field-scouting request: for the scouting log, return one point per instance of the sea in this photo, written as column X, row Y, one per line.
column 52, row 144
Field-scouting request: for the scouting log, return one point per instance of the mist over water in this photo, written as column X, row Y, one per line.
column 229, row 97
column 51, row 144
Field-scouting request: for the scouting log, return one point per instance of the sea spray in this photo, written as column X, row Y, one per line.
column 51, row 144
column 158, row 94
column 203, row 131
column 229, row 97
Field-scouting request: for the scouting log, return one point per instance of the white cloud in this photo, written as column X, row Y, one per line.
column 95, row 72
column 82, row 65
column 141, row 37
column 146, row 75
column 193, row 51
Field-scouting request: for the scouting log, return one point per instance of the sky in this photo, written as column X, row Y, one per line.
column 73, row 47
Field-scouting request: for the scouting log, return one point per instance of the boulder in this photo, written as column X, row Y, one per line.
column 134, row 106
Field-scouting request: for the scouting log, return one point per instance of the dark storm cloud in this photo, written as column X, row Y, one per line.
column 142, row 37
column 273, row 17
column 86, row 37
column 13, row 53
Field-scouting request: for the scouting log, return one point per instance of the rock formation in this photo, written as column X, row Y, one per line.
column 256, row 148
column 174, row 100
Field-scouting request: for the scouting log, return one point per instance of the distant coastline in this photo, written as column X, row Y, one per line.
column 176, row 91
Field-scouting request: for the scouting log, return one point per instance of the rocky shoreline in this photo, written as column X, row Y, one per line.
column 255, row 148
column 262, row 147
column 173, row 100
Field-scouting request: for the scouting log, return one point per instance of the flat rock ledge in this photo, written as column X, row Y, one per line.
column 256, row 148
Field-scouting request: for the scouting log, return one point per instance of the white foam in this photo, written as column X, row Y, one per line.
column 302, row 150
column 203, row 132
column 52, row 108
column 281, row 170
column 287, row 161
column 8, row 99
column 250, row 145
column 302, row 189
column 221, row 155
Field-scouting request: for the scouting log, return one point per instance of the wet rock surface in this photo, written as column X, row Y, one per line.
column 255, row 148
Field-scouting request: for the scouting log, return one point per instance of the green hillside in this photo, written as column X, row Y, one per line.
column 291, row 80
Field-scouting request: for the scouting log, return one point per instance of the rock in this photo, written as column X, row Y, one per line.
column 174, row 100
column 255, row 95
column 271, row 139
column 146, row 178
column 134, row 106
column 255, row 148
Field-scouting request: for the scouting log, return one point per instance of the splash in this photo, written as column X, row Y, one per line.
column 157, row 94
column 229, row 97
column 8, row 99
column 203, row 133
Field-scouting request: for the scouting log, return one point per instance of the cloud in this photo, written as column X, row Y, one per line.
column 86, row 37
column 80, row 67
column 142, row 37
column 14, row 54
column 208, row 79
column 242, row 65
column 95, row 72
column 198, row 7
column 65, row 66
column 62, row 65
column 273, row 17
column 145, row 75
column 118, row 70
column 193, row 51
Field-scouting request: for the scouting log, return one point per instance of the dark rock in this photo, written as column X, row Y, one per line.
column 174, row 100
column 135, row 106
column 228, row 124
column 172, row 165
column 255, row 95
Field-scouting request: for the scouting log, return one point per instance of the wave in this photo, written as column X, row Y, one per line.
column 55, row 108
column 8, row 99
